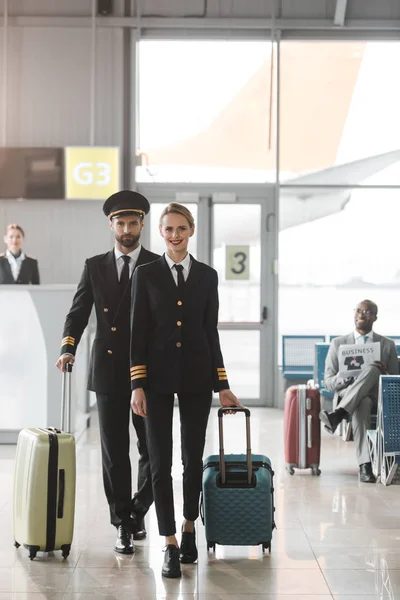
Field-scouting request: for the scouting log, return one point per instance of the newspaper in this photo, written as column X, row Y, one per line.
column 355, row 357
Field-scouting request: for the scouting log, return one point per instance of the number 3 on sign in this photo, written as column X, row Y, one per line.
column 237, row 263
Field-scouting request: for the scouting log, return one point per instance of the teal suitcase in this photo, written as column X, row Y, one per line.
column 237, row 504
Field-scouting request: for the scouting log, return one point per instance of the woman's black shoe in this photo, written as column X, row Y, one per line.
column 188, row 550
column 171, row 566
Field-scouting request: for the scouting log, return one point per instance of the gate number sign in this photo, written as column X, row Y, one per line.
column 91, row 172
column 237, row 262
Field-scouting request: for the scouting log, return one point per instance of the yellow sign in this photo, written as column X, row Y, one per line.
column 237, row 262
column 91, row 173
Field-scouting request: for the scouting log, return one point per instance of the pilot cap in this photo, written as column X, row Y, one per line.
column 126, row 201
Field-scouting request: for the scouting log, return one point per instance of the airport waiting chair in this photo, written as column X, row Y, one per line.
column 321, row 351
column 298, row 356
column 384, row 441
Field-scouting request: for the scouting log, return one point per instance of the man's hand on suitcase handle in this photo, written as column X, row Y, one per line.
column 227, row 399
column 138, row 402
column 64, row 360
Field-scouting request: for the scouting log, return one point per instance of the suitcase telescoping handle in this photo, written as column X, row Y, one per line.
column 221, row 412
column 66, row 400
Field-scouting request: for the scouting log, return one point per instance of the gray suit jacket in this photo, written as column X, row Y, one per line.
column 335, row 383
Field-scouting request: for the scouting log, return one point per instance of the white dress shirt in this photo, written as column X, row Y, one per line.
column 15, row 263
column 359, row 338
column 120, row 262
column 186, row 262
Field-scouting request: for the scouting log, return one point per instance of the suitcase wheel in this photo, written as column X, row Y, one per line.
column 211, row 546
column 290, row 470
column 316, row 471
column 65, row 550
column 16, row 544
column 266, row 546
column 32, row 554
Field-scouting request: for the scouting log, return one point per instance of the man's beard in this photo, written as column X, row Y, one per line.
column 128, row 241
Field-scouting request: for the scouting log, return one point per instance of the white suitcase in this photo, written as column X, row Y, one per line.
column 44, row 485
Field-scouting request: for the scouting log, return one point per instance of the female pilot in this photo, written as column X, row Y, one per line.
column 175, row 349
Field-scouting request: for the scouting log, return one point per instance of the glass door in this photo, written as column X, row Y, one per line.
column 236, row 233
column 242, row 229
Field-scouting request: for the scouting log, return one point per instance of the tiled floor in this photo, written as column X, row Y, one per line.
column 336, row 538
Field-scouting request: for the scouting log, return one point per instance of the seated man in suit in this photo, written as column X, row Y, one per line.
column 358, row 397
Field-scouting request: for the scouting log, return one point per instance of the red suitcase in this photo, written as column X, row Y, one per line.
column 302, row 428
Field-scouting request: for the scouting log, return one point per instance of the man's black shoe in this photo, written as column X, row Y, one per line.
column 366, row 474
column 188, row 550
column 171, row 566
column 331, row 420
column 124, row 544
column 139, row 529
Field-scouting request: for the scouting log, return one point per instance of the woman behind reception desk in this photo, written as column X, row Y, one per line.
column 15, row 266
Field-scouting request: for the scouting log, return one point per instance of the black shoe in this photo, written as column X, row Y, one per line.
column 366, row 474
column 188, row 550
column 331, row 420
column 171, row 566
column 124, row 543
column 139, row 529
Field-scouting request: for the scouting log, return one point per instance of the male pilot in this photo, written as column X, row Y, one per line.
column 106, row 283
column 358, row 397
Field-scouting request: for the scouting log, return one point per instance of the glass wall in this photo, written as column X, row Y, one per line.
column 207, row 114
column 206, row 111
column 339, row 127
column 329, row 265
column 339, row 113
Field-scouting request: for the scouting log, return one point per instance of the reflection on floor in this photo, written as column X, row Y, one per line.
column 335, row 537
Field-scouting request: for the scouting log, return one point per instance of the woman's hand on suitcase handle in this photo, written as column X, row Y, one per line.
column 138, row 402
column 64, row 360
column 227, row 399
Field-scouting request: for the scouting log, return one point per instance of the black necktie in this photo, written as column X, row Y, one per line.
column 181, row 281
column 124, row 279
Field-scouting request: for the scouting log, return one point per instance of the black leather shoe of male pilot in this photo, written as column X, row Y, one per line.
column 366, row 474
column 124, row 543
column 188, row 550
column 332, row 420
column 171, row 566
column 139, row 529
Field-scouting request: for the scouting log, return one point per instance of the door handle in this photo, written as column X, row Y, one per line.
column 264, row 313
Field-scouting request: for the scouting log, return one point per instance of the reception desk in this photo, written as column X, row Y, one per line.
column 31, row 323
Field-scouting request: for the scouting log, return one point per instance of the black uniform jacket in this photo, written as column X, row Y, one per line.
column 29, row 272
column 99, row 285
column 174, row 343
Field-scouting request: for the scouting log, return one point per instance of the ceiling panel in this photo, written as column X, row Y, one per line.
column 293, row 10
column 307, row 9
column 173, row 8
column 378, row 10
column 50, row 8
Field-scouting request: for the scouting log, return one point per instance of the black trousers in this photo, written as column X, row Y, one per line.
column 194, row 410
column 114, row 410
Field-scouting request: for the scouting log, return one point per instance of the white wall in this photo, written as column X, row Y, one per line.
column 48, row 103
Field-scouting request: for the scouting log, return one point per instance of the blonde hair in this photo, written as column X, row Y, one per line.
column 14, row 226
column 179, row 209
